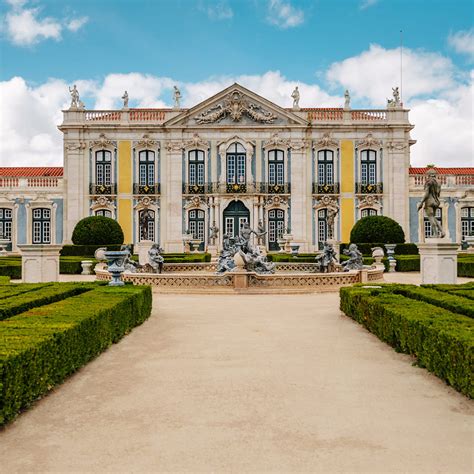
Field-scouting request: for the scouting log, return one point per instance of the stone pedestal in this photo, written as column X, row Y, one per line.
column 212, row 249
column 39, row 263
column 438, row 261
column 3, row 247
column 241, row 280
column 86, row 267
column 142, row 248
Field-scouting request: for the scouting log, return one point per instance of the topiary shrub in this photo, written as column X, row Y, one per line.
column 377, row 229
column 97, row 230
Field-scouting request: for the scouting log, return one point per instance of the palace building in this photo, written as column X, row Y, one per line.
column 234, row 157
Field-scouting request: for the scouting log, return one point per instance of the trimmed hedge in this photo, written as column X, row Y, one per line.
column 400, row 249
column 466, row 267
column 186, row 257
column 40, row 295
column 377, row 229
column 407, row 263
column 442, row 341
column 10, row 267
column 466, row 290
column 4, row 280
column 85, row 250
column 40, row 348
column 286, row 257
column 97, row 230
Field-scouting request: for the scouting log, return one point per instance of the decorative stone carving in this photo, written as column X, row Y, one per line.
column 196, row 142
column 101, row 201
column 275, row 201
column 368, row 141
column 146, row 201
column 175, row 146
column 276, row 141
column 326, row 201
column 102, row 142
column 235, row 106
column 146, row 142
column 326, row 141
column 397, row 145
column 195, row 201
column 297, row 145
column 431, row 202
column 369, row 201
column 75, row 145
column 395, row 102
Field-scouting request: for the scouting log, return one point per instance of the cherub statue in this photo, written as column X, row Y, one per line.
column 125, row 100
column 295, row 95
column 74, row 97
column 431, row 203
column 177, row 97
column 355, row 259
column 129, row 265
column 156, row 259
column 327, row 259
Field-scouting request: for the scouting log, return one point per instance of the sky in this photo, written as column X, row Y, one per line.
column 269, row 46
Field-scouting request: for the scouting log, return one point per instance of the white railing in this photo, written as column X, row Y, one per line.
column 102, row 115
column 369, row 115
column 43, row 182
column 450, row 181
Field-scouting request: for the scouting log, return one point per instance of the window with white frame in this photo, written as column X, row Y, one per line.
column 6, row 223
column 146, row 168
column 236, row 157
column 103, row 213
column 196, row 167
column 276, row 167
column 427, row 224
column 147, row 216
column 196, row 223
column 103, row 167
column 322, row 227
column 368, row 167
column 41, row 226
column 467, row 222
column 325, row 167
column 368, row 212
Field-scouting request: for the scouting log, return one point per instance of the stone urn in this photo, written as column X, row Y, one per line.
column 378, row 254
column 194, row 245
column 390, row 255
column 115, row 260
column 86, row 267
column 288, row 238
column 295, row 249
column 3, row 246
column 281, row 243
column 186, row 242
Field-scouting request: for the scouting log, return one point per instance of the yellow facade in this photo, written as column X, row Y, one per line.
column 347, row 186
column 125, row 183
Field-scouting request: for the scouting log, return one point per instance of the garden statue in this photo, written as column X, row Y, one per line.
column 213, row 234
column 327, row 260
column 156, row 259
column 125, row 100
column 260, row 232
column 74, row 97
column 129, row 265
column 431, row 203
column 177, row 97
column 347, row 100
column 330, row 218
column 226, row 257
column 355, row 259
column 145, row 218
column 296, row 98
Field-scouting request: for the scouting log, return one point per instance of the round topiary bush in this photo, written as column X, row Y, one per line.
column 97, row 230
column 377, row 229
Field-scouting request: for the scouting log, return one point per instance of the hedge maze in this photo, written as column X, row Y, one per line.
column 48, row 331
column 434, row 323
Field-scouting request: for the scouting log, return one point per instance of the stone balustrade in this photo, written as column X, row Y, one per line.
column 449, row 181
column 24, row 184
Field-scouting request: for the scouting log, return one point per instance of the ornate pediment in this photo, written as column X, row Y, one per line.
column 326, row 141
column 146, row 142
column 102, row 142
column 236, row 106
column 368, row 141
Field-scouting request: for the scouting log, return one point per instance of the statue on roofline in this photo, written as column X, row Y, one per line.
column 296, row 98
column 75, row 101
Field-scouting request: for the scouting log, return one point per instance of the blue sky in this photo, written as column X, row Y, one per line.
column 326, row 46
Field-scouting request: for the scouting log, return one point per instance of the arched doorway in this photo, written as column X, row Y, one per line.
column 235, row 214
column 276, row 227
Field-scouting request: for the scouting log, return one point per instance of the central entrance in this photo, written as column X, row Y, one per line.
column 235, row 214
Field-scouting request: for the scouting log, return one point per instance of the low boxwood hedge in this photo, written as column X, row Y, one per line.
column 400, row 249
column 10, row 267
column 39, row 295
column 186, row 257
column 85, row 250
column 441, row 340
column 4, row 280
column 466, row 290
column 40, row 348
column 286, row 257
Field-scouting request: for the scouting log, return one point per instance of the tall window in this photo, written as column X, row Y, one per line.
column 467, row 221
column 5, row 223
column 368, row 167
column 41, row 226
column 146, row 168
column 276, row 227
column 196, row 167
column 325, row 167
column 196, row 225
column 236, row 164
column 103, row 213
column 322, row 227
column 103, row 167
column 149, row 220
column 427, row 223
column 368, row 212
column 276, row 167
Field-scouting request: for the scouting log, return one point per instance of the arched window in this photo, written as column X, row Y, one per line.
column 196, row 168
column 236, row 164
column 276, row 227
column 368, row 167
column 103, row 168
column 41, row 226
column 146, row 218
column 146, row 168
column 6, row 223
column 368, row 212
column 467, row 221
column 103, row 212
column 325, row 167
column 276, row 167
column 427, row 224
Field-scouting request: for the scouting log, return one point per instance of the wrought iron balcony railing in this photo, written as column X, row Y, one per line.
column 196, row 188
column 326, row 188
column 364, row 188
column 102, row 189
column 236, row 188
column 267, row 188
column 146, row 188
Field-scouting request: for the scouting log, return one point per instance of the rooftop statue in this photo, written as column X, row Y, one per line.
column 176, row 97
column 355, row 259
column 125, row 100
column 295, row 95
column 347, row 100
column 430, row 202
column 395, row 102
column 75, row 102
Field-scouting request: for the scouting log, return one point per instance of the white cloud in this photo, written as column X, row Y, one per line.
column 219, row 11
column 24, row 26
column 367, row 4
column 284, row 14
column 463, row 42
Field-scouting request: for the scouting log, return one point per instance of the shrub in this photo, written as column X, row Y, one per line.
column 442, row 341
column 10, row 267
column 40, row 348
column 187, row 258
column 407, row 263
column 4, row 280
column 466, row 267
column 97, row 230
column 286, row 257
column 377, row 229
column 85, row 250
